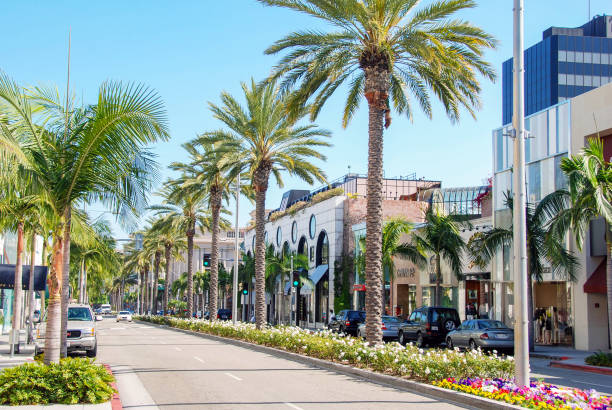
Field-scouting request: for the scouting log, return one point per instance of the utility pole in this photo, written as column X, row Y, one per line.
column 235, row 283
column 293, row 295
column 519, row 223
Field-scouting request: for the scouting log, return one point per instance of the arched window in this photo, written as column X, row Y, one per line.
column 294, row 231
column 303, row 246
column 279, row 236
column 286, row 250
column 322, row 249
column 312, row 226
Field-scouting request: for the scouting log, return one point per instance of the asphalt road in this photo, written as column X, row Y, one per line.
column 566, row 377
column 161, row 368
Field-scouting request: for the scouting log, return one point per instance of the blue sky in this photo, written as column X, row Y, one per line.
column 190, row 51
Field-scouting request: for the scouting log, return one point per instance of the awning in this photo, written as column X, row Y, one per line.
column 7, row 277
column 596, row 283
column 318, row 273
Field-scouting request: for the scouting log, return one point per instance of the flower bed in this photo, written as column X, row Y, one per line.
column 538, row 395
column 391, row 358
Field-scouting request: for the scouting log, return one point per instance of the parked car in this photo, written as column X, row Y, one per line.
column 224, row 314
column 347, row 321
column 484, row 333
column 81, row 331
column 390, row 327
column 429, row 325
column 124, row 315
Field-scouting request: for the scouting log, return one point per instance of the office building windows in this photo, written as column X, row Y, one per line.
column 534, row 182
column 562, row 79
column 560, row 177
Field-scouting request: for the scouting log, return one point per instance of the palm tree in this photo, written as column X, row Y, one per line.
column 201, row 284
column 545, row 244
column 387, row 51
column 278, row 267
column 155, row 244
column 590, row 189
column 262, row 140
column 440, row 236
column 92, row 152
column 174, row 243
column 393, row 230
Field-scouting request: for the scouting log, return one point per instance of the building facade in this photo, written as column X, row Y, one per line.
column 566, row 63
column 578, row 306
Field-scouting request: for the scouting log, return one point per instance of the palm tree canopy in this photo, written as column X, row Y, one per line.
column 420, row 49
column 545, row 240
column 260, row 136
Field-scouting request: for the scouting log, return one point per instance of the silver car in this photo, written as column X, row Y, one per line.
column 390, row 327
column 81, row 331
column 484, row 333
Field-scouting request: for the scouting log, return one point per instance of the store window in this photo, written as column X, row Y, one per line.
column 426, row 292
column 322, row 249
column 506, row 249
column 411, row 298
column 449, row 297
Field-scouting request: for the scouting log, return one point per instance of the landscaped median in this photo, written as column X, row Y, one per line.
column 72, row 381
column 471, row 372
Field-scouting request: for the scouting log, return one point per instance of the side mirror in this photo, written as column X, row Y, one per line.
column 99, row 318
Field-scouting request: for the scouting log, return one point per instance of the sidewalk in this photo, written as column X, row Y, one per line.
column 568, row 358
column 26, row 354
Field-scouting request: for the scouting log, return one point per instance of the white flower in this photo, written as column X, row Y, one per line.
column 427, row 371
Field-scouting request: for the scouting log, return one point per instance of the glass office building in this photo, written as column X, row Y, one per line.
column 566, row 63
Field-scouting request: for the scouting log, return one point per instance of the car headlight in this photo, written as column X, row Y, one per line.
column 88, row 332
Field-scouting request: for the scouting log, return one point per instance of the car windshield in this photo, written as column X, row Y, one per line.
column 124, row 312
column 391, row 319
column 491, row 324
column 356, row 315
column 79, row 313
column 442, row 315
column 224, row 311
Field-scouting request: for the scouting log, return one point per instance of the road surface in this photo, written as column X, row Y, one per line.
column 165, row 369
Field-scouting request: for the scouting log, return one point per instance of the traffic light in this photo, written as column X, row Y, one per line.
column 207, row 260
column 296, row 279
column 245, row 288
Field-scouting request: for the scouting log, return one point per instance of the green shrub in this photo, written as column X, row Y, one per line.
column 599, row 359
column 73, row 381
column 390, row 358
column 322, row 196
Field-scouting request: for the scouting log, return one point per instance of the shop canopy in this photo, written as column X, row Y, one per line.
column 7, row 277
column 596, row 283
column 318, row 273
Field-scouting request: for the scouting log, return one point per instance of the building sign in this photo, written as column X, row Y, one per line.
column 359, row 288
column 406, row 272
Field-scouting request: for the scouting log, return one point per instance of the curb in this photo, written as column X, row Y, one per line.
column 115, row 400
column 548, row 356
column 582, row 367
column 448, row 395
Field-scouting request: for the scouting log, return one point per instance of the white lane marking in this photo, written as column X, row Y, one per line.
column 198, row 359
column 293, row 406
column 162, row 342
column 117, row 328
column 178, row 349
column 233, row 377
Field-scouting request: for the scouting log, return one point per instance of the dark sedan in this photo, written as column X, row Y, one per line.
column 484, row 333
column 390, row 327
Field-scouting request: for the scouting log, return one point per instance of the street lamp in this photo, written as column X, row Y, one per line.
column 519, row 223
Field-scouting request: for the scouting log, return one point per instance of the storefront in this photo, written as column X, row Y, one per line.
column 552, row 318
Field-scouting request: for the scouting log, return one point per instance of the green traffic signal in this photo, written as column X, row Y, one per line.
column 296, row 283
column 245, row 291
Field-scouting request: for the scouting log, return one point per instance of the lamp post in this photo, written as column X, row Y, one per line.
column 519, row 223
column 235, row 283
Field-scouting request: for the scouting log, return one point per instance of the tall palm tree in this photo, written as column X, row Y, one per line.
column 210, row 171
column 91, row 152
column 185, row 205
column 392, row 247
column 387, row 51
column 590, row 190
column 174, row 243
column 440, row 236
column 155, row 244
column 278, row 267
column 545, row 244
column 263, row 140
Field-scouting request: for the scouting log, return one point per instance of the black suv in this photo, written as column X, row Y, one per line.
column 429, row 325
column 347, row 321
column 224, row 314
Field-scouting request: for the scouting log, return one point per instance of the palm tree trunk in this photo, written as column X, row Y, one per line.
column 81, row 281
column 530, row 333
column 31, row 293
column 438, row 280
column 156, row 280
column 44, row 263
column 376, row 92
column 260, row 182
column 54, row 320
column 190, row 234
column 167, row 283
column 85, row 294
column 215, row 205
column 65, row 285
column 18, row 285
column 146, row 290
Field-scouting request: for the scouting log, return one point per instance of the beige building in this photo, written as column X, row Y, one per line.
column 579, row 307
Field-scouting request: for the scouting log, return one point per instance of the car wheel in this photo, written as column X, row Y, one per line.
column 473, row 345
column 449, row 342
column 93, row 352
column 401, row 338
column 449, row 325
column 419, row 340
